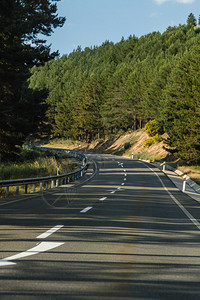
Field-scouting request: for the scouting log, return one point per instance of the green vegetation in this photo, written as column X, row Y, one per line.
column 22, row 27
column 147, row 156
column 34, row 163
column 153, row 128
column 100, row 91
column 65, row 142
column 127, row 146
column 148, row 142
column 157, row 138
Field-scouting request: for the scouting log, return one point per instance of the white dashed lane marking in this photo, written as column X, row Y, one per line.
column 49, row 232
column 86, row 209
column 103, row 198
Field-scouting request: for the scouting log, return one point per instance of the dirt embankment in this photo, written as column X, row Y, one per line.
column 133, row 144
column 130, row 144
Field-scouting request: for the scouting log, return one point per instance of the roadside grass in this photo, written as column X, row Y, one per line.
column 60, row 142
column 34, row 163
column 44, row 164
column 150, row 157
column 193, row 171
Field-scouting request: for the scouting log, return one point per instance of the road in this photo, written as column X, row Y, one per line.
column 126, row 232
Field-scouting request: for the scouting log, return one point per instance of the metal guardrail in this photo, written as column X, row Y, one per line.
column 49, row 181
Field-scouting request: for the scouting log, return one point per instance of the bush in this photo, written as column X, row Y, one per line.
column 127, row 146
column 157, row 138
column 148, row 142
column 29, row 155
column 153, row 128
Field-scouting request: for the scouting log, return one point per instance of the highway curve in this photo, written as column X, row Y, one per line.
column 123, row 232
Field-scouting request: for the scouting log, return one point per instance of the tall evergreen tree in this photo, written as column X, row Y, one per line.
column 21, row 21
column 181, row 108
column 191, row 20
column 133, row 81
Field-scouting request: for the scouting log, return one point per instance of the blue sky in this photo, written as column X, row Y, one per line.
column 92, row 22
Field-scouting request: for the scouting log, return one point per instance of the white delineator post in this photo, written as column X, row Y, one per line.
column 164, row 166
column 184, row 183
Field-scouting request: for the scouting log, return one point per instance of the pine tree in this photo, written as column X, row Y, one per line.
column 191, row 20
column 20, row 48
column 181, row 109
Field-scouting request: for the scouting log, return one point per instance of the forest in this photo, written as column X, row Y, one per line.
column 101, row 91
column 98, row 91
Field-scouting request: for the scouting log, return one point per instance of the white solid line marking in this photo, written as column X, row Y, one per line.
column 86, row 209
column 102, row 199
column 42, row 247
column 49, row 232
column 186, row 212
column 6, row 263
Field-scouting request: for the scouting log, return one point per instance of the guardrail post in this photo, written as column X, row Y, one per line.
column 52, row 184
column 40, row 186
column 46, row 185
column 34, row 188
column 57, row 182
column 17, row 190
column 26, row 188
column 7, row 191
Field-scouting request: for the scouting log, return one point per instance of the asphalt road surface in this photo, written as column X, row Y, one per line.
column 123, row 232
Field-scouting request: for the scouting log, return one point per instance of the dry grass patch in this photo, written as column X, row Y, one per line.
column 192, row 171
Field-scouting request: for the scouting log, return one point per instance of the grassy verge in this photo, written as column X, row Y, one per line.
column 33, row 163
column 193, row 171
column 62, row 142
column 147, row 156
